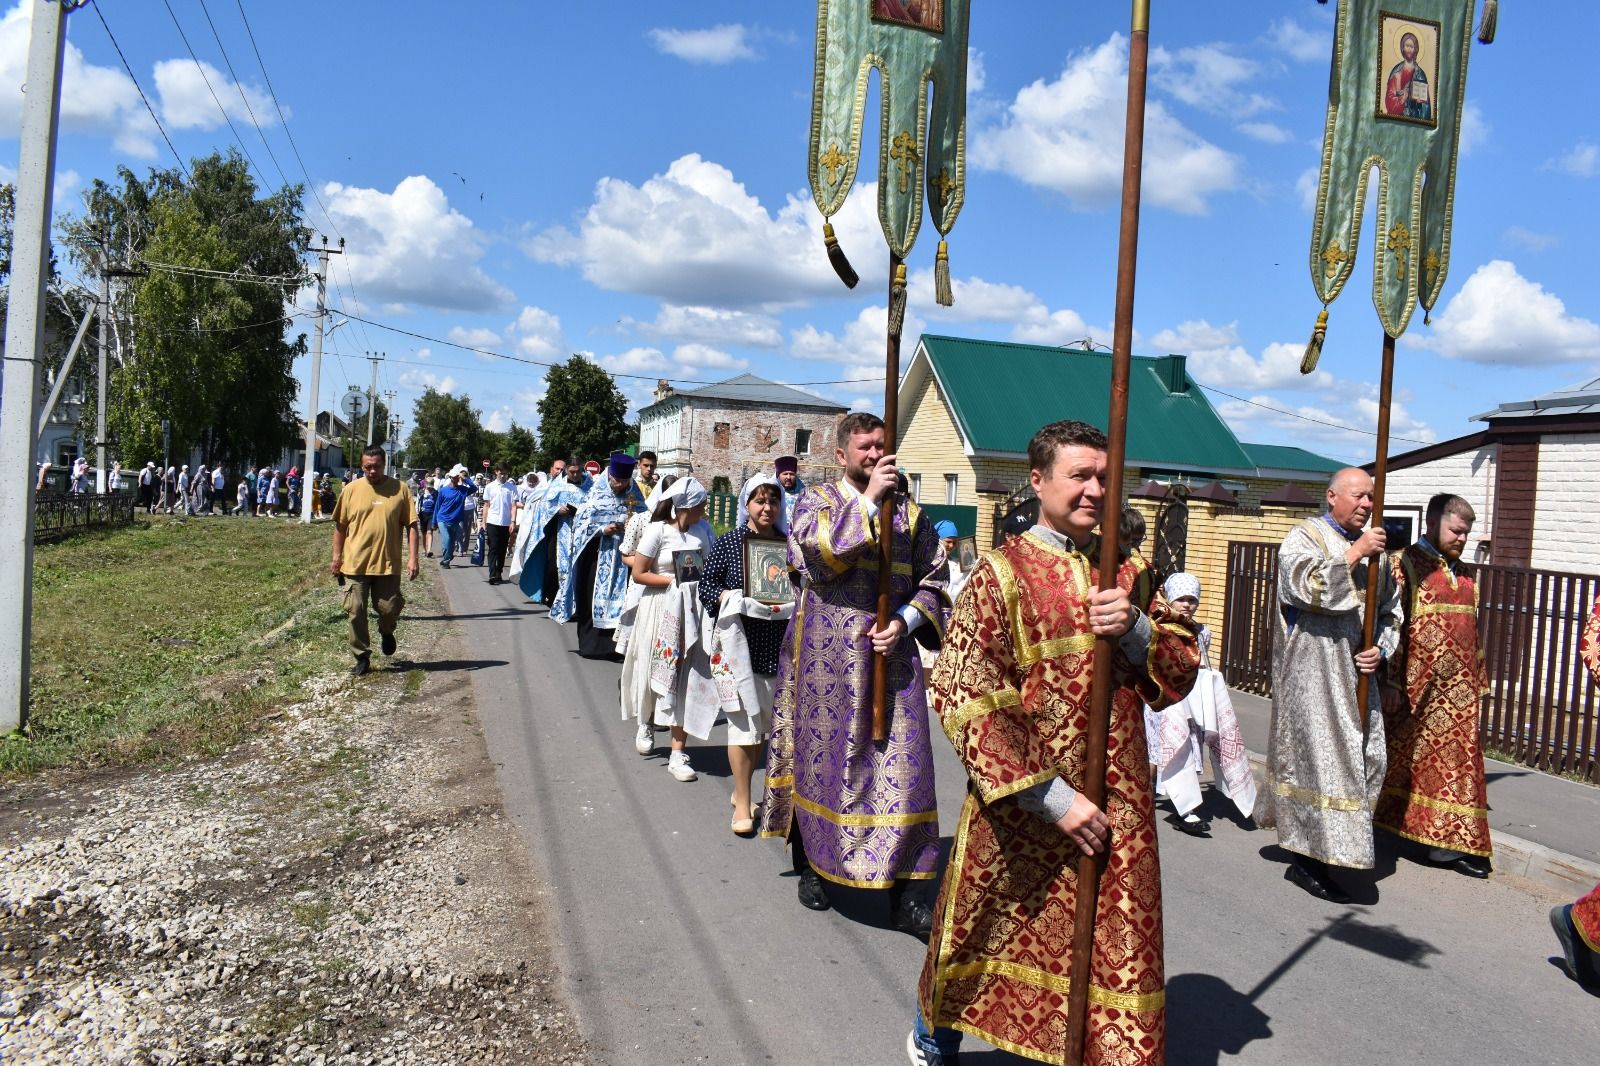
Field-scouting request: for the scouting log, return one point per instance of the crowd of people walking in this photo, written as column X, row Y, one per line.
column 772, row 630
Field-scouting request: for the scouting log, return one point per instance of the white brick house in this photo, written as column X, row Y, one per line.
column 1533, row 476
column 725, row 432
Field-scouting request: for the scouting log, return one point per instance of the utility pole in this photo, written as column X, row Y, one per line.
column 19, row 381
column 388, row 431
column 372, row 396
column 101, row 311
column 316, row 378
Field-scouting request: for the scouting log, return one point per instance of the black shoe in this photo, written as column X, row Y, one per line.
column 386, row 641
column 1472, row 865
column 494, row 581
column 915, row 917
column 361, row 667
column 1580, row 961
column 1198, row 828
column 1315, row 881
column 813, row 896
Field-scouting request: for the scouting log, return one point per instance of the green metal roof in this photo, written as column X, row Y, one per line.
column 1001, row 393
column 1287, row 457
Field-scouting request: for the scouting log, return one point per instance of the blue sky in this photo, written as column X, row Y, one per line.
column 629, row 181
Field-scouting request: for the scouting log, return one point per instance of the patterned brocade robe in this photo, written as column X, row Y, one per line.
column 866, row 812
column 1435, row 791
column 1323, row 774
column 1586, row 912
column 601, row 507
column 1011, row 688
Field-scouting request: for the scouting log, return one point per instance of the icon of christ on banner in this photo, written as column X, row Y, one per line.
column 923, row 14
column 1409, row 49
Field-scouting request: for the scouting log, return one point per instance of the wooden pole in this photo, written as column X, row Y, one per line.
column 891, row 400
column 1380, row 471
column 1090, row 867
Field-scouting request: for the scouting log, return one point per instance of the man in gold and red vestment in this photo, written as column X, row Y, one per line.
column 1434, row 791
column 1011, row 688
column 1577, row 925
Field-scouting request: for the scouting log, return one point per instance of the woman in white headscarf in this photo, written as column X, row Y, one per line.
column 665, row 621
column 743, row 639
column 631, row 534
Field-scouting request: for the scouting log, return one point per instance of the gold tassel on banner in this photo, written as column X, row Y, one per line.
column 1308, row 362
column 897, row 301
column 836, row 256
column 942, row 291
column 1491, row 18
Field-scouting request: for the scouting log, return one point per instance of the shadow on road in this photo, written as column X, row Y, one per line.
column 1208, row 1018
column 446, row 665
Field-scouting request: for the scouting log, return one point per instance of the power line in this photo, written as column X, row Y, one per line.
column 284, row 119
column 215, row 99
column 140, row 90
column 239, row 85
column 1307, row 418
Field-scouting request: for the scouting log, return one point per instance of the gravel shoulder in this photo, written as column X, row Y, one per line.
column 344, row 888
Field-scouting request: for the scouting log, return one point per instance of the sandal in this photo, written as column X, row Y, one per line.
column 743, row 827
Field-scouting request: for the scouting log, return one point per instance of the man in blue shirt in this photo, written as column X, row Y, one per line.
column 449, row 512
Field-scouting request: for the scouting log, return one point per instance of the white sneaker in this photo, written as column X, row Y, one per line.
column 678, row 766
column 644, row 741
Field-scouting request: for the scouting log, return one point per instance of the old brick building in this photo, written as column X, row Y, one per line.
column 725, row 432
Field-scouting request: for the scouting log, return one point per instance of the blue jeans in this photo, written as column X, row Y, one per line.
column 940, row 1046
column 451, row 536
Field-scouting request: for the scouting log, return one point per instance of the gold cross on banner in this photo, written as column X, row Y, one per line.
column 1430, row 265
column 1400, row 243
column 904, row 153
column 1335, row 257
column 944, row 183
column 833, row 161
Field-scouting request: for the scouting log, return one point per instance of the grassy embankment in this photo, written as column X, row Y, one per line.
column 173, row 638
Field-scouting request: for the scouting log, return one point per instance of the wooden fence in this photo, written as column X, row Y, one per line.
column 57, row 515
column 1542, row 709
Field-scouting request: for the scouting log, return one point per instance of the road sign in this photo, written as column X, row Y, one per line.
column 354, row 404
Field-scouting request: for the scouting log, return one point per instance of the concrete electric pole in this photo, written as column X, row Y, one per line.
column 372, row 396
column 19, row 381
column 316, row 377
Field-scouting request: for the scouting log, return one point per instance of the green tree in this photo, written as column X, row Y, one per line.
column 516, row 450
column 206, row 346
column 583, row 413
column 445, row 430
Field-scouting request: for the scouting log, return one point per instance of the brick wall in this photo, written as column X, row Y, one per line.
column 722, row 439
column 1469, row 474
column 1566, row 518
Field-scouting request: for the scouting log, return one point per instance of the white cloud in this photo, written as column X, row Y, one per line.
column 187, row 102
column 424, row 353
column 1211, row 77
column 637, row 361
column 1217, row 358
column 1338, row 425
column 499, row 420
column 711, row 325
column 1265, row 132
column 1290, row 38
column 977, row 73
column 411, row 246
column 1305, row 186
column 695, row 358
column 419, row 380
column 476, row 337
column 1582, row 162
column 858, row 347
column 1029, row 319
column 714, row 45
column 1501, row 317
column 693, row 236
column 94, row 99
column 1527, row 238
column 538, row 333
column 1475, row 129
column 1067, row 136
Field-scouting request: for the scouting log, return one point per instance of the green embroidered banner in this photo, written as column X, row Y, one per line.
column 913, row 44
column 1395, row 96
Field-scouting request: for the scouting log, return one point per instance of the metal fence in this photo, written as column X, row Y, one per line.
column 1542, row 710
column 56, row 515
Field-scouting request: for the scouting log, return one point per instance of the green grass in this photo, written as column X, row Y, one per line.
column 170, row 639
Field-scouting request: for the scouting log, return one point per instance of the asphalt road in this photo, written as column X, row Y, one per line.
column 683, row 943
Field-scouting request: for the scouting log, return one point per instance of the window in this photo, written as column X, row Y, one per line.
column 721, row 432
column 66, row 452
column 916, row 486
column 802, row 442
column 950, row 489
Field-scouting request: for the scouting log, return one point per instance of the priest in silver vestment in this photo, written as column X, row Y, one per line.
column 1324, row 772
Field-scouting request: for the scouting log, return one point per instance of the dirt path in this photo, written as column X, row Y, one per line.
column 344, row 889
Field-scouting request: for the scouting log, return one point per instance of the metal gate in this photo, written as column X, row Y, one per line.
column 1247, row 616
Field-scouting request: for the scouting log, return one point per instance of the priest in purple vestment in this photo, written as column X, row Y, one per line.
column 856, row 812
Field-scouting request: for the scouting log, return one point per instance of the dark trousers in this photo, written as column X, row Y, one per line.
column 497, row 537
